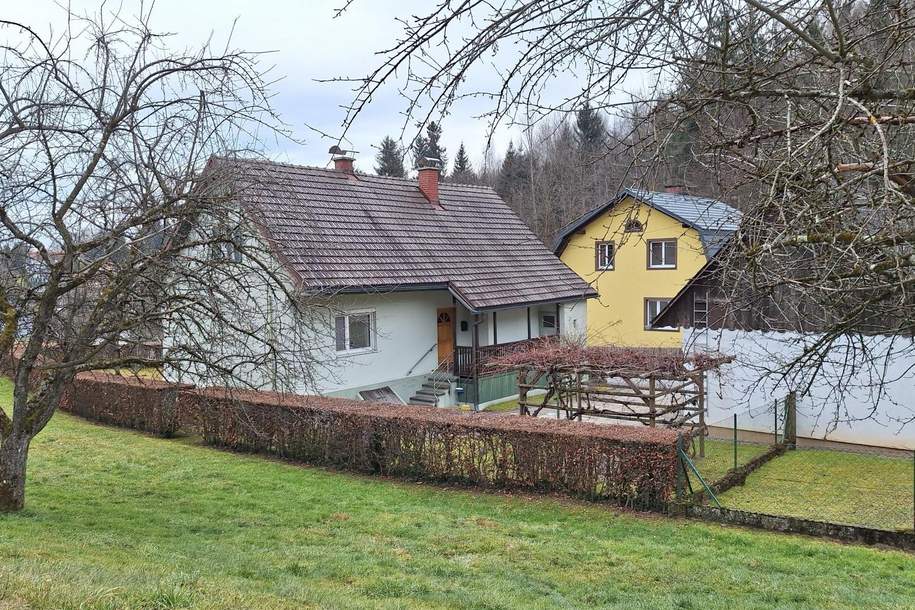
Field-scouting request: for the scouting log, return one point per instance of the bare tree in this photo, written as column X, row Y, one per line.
column 800, row 111
column 118, row 253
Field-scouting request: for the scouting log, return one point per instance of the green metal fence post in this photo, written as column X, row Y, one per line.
column 735, row 440
column 775, row 427
column 681, row 470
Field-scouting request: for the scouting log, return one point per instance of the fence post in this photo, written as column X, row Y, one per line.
column 735, row 440
column 790, row 435
column 681, row 470
column 775, row 416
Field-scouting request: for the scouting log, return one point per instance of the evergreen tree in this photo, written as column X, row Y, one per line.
column 590, row 128
column 389, row 160
column 429, row 146
column 514, row 174
column 463, row 170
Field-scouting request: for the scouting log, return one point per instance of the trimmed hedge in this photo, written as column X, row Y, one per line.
column 130, row 402
column 634, row 467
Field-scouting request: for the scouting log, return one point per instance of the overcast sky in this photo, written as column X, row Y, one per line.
column 308, row 43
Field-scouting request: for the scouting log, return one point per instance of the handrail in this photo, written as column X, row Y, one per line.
column 421, row 358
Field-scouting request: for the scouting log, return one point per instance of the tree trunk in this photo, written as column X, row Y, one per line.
column 13, row 454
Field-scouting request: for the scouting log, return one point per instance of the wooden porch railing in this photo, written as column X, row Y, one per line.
column 463, row 365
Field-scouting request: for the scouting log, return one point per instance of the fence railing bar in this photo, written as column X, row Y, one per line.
column 689, row 463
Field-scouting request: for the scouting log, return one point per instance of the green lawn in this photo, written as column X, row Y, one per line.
column 719, row 458
column 115, row 519
column 511, row 405
column 831, row 486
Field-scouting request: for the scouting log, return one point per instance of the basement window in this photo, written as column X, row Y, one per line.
column 382, row 394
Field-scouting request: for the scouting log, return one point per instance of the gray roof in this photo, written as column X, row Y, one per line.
column 714, row 220
column 359, row 233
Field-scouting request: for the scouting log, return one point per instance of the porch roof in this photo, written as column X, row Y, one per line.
column 339, row 232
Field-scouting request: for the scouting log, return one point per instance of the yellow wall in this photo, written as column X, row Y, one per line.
column 617, row 315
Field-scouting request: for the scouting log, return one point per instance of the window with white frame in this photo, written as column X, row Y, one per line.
column 603, row 255
column 652, row 308
column 662, row 253
column 355, row 331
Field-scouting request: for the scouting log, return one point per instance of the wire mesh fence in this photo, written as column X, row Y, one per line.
column 738, row 440
column 806, row 478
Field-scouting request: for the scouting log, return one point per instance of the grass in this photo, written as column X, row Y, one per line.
column 512, row 404
column 833, row 486
column 719, row 458
column 115, row 519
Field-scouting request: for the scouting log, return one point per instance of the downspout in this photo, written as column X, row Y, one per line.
column 476, row 361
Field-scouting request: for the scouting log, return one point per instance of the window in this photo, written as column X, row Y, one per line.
column 355, row 331
column 652, row 308
column 662, row 253
column 634, row 226
column 603, row 255
column 548, row 324
column 382, row 394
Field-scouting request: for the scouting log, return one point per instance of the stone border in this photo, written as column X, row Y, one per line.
column 904, row 540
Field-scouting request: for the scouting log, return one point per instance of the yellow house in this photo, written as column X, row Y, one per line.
column 638, row 250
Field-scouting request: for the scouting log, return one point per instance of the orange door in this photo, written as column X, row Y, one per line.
column 445, row 334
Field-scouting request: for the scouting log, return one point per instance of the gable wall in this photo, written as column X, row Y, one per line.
column 617, row 315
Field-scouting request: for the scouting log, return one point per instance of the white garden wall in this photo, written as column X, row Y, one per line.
column 864, row 392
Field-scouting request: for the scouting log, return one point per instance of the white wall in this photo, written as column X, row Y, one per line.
column 574, row 320
column 511, row 325
column 406, row 329
column 864, row 393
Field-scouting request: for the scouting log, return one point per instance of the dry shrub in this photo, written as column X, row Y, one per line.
column 130, row 402
column 630, row 466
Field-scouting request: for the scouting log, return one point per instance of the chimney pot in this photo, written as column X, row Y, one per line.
column 344, row 164
column 428, row 183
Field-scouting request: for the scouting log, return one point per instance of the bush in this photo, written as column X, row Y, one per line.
column 630, row 466
column 142, row 404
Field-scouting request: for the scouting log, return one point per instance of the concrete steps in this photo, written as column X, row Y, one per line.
column 433, row 387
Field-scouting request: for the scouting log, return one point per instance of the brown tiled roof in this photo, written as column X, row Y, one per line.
column 358, row 233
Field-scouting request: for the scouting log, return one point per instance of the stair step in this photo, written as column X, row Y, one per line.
column 434, row 394
column 423, row 401
column 443, row 387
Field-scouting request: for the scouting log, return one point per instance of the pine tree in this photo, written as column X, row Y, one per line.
column 463, row 170
column 389, row 160
column 429, row 146
column 590, row 129
column 514, row 173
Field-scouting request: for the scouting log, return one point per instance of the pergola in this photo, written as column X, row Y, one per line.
column 650, row 386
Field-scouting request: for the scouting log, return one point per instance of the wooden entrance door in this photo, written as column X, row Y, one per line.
column 445, row 326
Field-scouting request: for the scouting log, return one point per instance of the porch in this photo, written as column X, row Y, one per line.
column 468, row 341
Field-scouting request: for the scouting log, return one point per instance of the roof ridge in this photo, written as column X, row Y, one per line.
column 329, row 170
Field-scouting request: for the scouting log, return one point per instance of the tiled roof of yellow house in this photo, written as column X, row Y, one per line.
column 714, row 220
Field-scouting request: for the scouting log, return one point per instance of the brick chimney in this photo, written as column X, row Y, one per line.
column 428, row 183
column 677, row 189
column 344, row 164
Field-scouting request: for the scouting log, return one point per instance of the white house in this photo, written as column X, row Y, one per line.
column 423, row 281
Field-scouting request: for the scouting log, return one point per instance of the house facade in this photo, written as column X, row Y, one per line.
column 420, row 283
column 638, row 250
